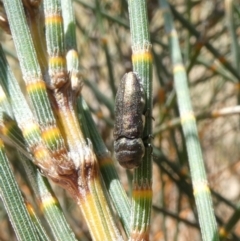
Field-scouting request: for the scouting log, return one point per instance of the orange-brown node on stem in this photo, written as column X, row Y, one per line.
column 142, row 191
column 139, row 235
column 29, row 208
column 105, row 160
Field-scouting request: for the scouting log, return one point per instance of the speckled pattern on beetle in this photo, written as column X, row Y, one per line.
column 128, row 129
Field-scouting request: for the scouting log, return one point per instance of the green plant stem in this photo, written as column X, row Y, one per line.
column 39, row 228
column 142, row 65
column 200, row 185
column 181, row 180
column 13, row 201
column 24, row 117
column 108, row 171
column 37, row 92
column 46, row 200
column 91, row 197
column 28, row 61
column 48, row 203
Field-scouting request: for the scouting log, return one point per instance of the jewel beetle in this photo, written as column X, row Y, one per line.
column 128, row 128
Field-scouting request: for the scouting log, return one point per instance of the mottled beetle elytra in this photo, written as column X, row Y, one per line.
column 128, row 129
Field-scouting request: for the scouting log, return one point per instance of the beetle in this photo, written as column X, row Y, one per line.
column 128, row 128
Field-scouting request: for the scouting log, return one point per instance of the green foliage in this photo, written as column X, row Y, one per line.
column 57, row 119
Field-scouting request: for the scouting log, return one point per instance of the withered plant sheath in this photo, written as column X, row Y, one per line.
column 91, row 197
column 36, row 88
column 108, row 171
column 31, row 136
column 47, row 202
column 62, row 97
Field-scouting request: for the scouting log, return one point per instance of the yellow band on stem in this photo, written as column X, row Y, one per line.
column 47, row 201
column 36, row 85
column 51, row 134
column 142, row 56
column 188, row 116
column 31, row 127
column 200, row 187
column 142, row 193
column 178, row 68
column 53, row 19
column 57, row 61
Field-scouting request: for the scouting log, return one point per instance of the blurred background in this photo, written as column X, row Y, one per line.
column 209, row 32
